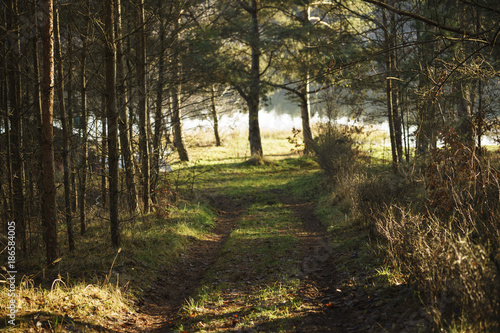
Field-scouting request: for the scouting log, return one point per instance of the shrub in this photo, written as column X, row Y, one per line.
column 451, row 248
column 340, row 158
column 336, row 150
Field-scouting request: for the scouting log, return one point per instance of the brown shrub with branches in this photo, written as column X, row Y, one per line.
column 451, row 250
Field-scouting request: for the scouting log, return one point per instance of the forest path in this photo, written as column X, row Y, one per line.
column 270, row 266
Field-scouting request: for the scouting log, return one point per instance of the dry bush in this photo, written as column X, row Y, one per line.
column 340, row 158
column 451, row 249
column 385, row 189
column 336, row 149
column 454, row 272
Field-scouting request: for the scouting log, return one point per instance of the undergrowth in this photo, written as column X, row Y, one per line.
column 97, row 285
column 438, row 228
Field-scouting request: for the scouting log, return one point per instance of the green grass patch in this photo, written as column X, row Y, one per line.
column 254, row 282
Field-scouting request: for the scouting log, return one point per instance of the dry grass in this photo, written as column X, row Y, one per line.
column 440, row 228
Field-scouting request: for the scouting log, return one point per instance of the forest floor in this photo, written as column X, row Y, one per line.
column 271, row 265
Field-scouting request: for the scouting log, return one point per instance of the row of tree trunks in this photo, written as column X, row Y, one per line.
column 393, row 114
column 123, row 118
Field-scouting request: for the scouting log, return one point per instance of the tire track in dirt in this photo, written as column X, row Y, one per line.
column 160, row 306
column 334, row 307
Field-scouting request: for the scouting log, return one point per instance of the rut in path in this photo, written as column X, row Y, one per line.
column 163, row 301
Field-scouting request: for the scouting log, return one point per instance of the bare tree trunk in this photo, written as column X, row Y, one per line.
column 49, row 217
column 254, row 91
column 142, row 107
column 83, row 126
column 8, row 155
column 159, row 108
column 304, row 90
column 74, row 192
column 64, row 121
column 122, row 105
column 175, row 94
column 304, row 112
column 104, row 155
column 110, row 56
column 7, row 200
column 177, row 125
column 464, row 111
column 215, row 118
column 5, row 149
column 396, row 114
column 14, row 80
column 389, row 92
column 38, row 110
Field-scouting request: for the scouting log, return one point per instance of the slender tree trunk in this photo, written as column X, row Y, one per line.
column 175, row 95
column 306, row 126
column 104, row 154
column 110, row 56
column 5, row 149
column 215, row 118
column 464, row 111
column 254, row 88
column 142, row 107
column 49, row 217
column 396, row 114
column 16, row 124
column 304, row 91
column 5, row 116
column 64, row 121
column 159, row 109
column 70, row 108
column 8, row 154
column 122, row 105
column 37, row 103
column 177, row 125
column 389, row 92
column 83, row 126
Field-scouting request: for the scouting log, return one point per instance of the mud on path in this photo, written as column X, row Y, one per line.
column 330, row 299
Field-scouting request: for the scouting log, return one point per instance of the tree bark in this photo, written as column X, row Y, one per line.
column 104, row 153
column 304, row 91
column 70, row 108
column 215, row 118
column 175, row 94
column 254, row 85
column 14, row 91
column 83, row 125
column 142, row 107
column 110, row 56
column 49, row 217
column 389, row 92
column 306, row 126
column 64, row 121
column 159, row 108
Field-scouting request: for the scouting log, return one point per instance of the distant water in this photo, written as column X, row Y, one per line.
column 276, row 120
